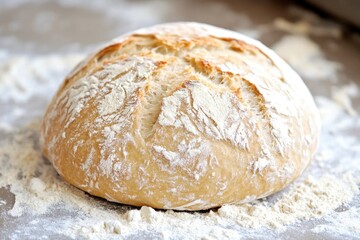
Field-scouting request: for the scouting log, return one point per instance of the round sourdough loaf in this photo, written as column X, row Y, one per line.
column 181, row 116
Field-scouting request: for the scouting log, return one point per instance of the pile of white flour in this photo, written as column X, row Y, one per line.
column 38, row 201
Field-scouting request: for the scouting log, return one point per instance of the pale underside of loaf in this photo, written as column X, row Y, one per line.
column 181, row 116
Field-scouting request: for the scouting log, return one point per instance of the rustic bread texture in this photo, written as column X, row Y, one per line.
column 181, row 116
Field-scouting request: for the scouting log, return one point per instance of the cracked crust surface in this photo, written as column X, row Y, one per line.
column 181, row 116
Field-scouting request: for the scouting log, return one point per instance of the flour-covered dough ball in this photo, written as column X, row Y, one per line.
column 181, row 116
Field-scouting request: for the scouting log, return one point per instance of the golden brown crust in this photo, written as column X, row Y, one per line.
column 189, row 120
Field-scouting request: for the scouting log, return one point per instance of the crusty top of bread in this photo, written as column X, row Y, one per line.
column 181, row 116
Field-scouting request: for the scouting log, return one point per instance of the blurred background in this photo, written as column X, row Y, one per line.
column 43, row 26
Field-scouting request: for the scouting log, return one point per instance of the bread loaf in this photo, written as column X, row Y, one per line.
column 181, row 116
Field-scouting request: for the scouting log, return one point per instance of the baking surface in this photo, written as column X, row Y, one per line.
column 57, row 34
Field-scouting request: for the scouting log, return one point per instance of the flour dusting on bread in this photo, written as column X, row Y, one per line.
column 199, row 110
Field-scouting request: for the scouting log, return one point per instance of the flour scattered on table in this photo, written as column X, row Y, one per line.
column 342, row 95
column 22, row 77
column 341, row 223
column 306, row 57
column 2, row 202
